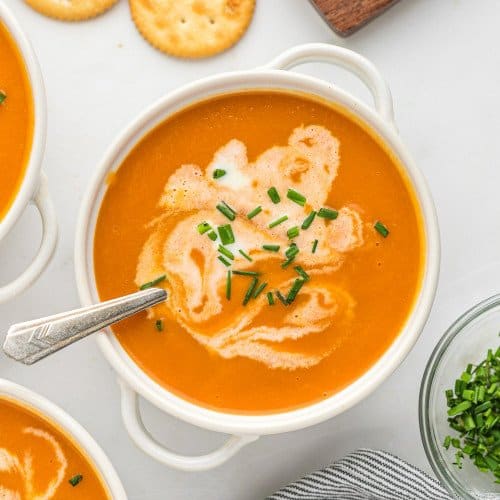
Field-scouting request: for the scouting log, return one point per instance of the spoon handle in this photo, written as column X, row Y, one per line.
column 34, row 340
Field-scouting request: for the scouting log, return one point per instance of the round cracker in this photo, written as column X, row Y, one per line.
column 71, row 10
column 192, row 28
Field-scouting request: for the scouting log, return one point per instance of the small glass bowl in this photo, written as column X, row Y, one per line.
column 466, row 341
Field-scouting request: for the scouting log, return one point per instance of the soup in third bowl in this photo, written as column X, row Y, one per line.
column 16, row 120
column 38, row 461
column 288, row 239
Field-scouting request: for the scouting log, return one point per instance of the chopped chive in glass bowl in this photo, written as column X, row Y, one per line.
column 462, row 348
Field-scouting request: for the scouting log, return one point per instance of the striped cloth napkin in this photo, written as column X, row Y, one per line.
column 365, row 475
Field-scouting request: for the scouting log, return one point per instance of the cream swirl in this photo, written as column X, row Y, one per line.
column 196, row 279
column 22, row 466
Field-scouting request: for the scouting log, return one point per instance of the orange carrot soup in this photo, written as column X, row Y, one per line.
column 288, row 240
column 37, row 460
column 16, row 120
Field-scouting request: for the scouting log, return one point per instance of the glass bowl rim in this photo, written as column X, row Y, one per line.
column 430, row 446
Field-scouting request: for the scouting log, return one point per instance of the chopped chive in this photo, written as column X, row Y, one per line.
column 292, row 250
column 153, row 283
column 274, row 195
column 308, row 220
column 224, row 251
column 75, row 480
column 282, row 299
column 474, row 413
column 271, row 248
column 380, row 228
column 296, row 197
column 469, row 423
column 293, row 232
column 315, row 245
column 482, row 407
column 226, row 234
column 250, row 291
column 224, row 261
column 212, row 235
column 3, row 96
column 288, row 261
column 302, row 273
column 159, row 325
column 447, row 442
column 226, row 210
column 270, row 298
column 259, row 289
column 246, row 255
column 468, row 394
column 228, row 286
column 328, row 213
column 204, row 227
column 458, row 459
column 218, row 173
column 246, row 273
column 297, row 285
column 458, row 386
column 254, row 212
column 278, row 221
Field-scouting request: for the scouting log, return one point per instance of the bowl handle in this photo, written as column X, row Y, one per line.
column 142, row 438
column 47, row 212
column 347, row 59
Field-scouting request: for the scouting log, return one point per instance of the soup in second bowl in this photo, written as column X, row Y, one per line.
column 38, row 461
column 288, row 240
column 16, row 120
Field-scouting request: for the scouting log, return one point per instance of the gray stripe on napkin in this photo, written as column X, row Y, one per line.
column 365, row 475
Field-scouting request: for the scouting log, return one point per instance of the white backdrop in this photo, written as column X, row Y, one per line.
column 441, row 60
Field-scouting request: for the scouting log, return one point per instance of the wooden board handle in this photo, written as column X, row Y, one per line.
column 347, row 16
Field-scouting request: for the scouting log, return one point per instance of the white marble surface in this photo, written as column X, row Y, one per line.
column 441, row 59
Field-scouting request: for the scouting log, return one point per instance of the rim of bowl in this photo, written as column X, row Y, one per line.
column 430, row 445
column 365, row 384
column 31, row 177
column 70, row 426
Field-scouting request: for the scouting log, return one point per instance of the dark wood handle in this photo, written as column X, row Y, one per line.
column 347, row 16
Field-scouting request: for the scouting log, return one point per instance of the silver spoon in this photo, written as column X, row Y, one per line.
column 34, row 340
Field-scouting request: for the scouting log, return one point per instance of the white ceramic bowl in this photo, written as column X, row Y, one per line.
column 33, row 188
column 246, row 428
column 53, row 413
